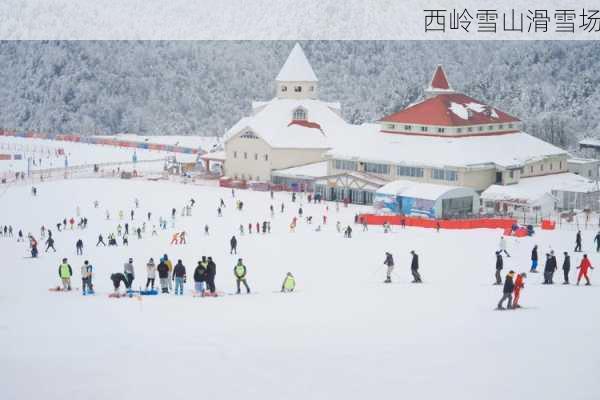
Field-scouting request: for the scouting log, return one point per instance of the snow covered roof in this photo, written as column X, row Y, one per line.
column 419, row 190
column 273, row 122
column 531, row 190
column 582, row 161
column 309, row 171
column 296, row 68
column 366, row 143
column 590, row 142
column 215, row 155
column 450, row 109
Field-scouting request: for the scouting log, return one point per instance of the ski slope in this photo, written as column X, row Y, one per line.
column 342, row 335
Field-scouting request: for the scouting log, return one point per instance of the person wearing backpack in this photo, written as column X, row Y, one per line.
column 200, row 277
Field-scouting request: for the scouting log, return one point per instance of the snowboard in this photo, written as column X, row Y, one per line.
column 60, row 289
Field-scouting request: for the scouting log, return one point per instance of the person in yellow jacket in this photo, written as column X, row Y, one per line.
column 289, row 283
column 170, row 266
column 65, row 272
column 240, row 274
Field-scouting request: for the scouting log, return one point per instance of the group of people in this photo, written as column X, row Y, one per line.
column 414, row 267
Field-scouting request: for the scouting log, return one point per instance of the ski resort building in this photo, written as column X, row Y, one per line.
column 447, row 139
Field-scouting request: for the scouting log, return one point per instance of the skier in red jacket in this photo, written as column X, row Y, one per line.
column 583, row 270
column 519, row 284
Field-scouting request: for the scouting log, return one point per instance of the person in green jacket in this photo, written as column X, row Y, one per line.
column 65, row 272
column 289, row 283
column 240, row 273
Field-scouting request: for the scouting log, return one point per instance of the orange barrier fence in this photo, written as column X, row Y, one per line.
column 548, row 224
column 491, row 223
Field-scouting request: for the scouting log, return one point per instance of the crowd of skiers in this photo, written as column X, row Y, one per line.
column 513, row 285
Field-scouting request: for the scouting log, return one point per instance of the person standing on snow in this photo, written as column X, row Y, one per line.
column 566, row 268
column 499, row 267
column 583, row 270
column 414, row 267
column 65, row 272
column 240, row 274
column 163, row 276
column 289, row 283
column 180, row 277
column 79, row 247
column 86, row 278
column 534, row 259
column 129, row 272
column 550, row 268
column 507, row 291
column 519, row 284
column 597, row 240
column 100, row 241
column 503, row 246
column 211, row 273
column 151, row 270
column 578, row 242
column 389, row 262
column 170, row 266
column 200, row 277
column 50, row 244
column 233, row 245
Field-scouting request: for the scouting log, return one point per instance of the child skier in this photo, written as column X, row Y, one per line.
column 389, row 262
column 289, row 283
column 86, row 278
column 519, row 284
column 240, row 274
column 151, row 270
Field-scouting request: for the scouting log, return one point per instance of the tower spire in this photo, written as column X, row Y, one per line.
column 439, row 83
column 296, row 80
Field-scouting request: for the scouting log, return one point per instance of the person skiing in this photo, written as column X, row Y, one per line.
column 534, row 259
column 117, row 278
column 79, row 247
column 206, row 230
column 507, row 291
column 65, row 272
column 519, row 284
column 583, row 270
column 182, row 237
column 566, row 268
column 175, row 238
column 597, row 240
column 129, row 272
column 151, row 270
column 499, row 267
column 200, row 277
column 33, row 247
column 100, row 241
column 179, row 276
column 50, row 244
column 126, row 228
column 211, row 273
column 20, row 236
column 219, row 212
column 389, row 262
column 414, row 267
column 86, row 278
column 240, row 272
column 550, row 268
column 163, row 276
column 578, row 242
column 125, row 240
column 503, row 246
column 289, row 283
column 233, row 245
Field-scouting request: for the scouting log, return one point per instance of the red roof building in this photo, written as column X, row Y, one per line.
column 445, row 112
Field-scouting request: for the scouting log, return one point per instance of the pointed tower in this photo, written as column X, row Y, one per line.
column 439, row 83
column 296, row 80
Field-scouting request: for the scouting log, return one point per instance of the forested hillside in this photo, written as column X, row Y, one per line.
column 204, row 87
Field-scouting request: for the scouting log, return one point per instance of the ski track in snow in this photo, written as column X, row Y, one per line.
column 344, row 334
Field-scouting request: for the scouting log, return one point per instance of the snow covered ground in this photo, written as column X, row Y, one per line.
column 344, row 334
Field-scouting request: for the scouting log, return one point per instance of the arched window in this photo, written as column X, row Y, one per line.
column 299, row 114
column 283, row 88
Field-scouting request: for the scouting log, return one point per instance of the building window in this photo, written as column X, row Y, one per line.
column 560, row 165
column 531, row 169
column 470, row 129
column 284, row 88
column 490, row 127
column 522, row 171
column 245, row 156
column 541, row 167
column 510, row 126
column 407, row 127
column 390, row 126
column 440, row 130
column 589, row 172
column 300, row 114
column 235, row 154
column 345, row 165
column 500, row 126
column 258, row 178
column 297, row 89
column 424, row 129
column 409, row 171
column 255, row 156
column 312, row 89
column 248, row 135
column 266, row 157
column 481, row 129
column 550, row 166
column 383, row 169
column 458, row 130
column 444, row 174
column 511, row 174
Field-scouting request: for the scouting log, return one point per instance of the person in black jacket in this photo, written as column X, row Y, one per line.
column 597, row 240
column 534, row 259
column 578, row 241
column 549, row 269
column 389, row 262
column 566, row 268
column 499, row 267
column 163, row 275
column 50, row 244
column 179, row 276
column 200, row 277
column 117, row 278
column 211, row 273
column 233, row 243
column 79, row 247
column 507, row 292
column 414, row 267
